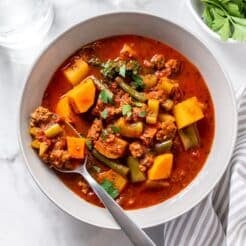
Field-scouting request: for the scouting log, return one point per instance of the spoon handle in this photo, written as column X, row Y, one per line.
column 136, row 235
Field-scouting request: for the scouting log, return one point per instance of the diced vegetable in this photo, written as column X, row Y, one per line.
column 76, row 147
column 132, row 130
column 136, row 174
column 118, row 181
column 109, row 187
column 53, row 130
column 43, row 147
column 34, row 131
column 64, row 110
column 132, row 92
column 167, row 105
column 161, row 169
column 127, row 50
column 166, row 117
column 35, row 144
column 149, row 80
column 163, row 147
column 189, row 136
column 76, row 71
column 153, row 110
column 123, row 170
column 168, row 84
column 112, row 150
column 187, row 112
column 82, row 96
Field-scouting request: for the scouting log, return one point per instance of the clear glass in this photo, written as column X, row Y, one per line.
column 24, row 22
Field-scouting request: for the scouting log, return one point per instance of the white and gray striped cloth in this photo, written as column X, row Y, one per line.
column 220, row 219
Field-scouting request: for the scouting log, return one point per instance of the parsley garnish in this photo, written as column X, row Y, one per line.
column 127, row 110
column 104, row 114
column 115, row 129
column 106, row 96
column 122, row 70
column 109, row 187
column 137, row 82
column 226, row 17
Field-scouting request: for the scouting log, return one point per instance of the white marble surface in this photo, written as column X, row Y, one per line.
column 27, row 217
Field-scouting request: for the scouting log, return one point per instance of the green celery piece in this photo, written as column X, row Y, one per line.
column 225, row 31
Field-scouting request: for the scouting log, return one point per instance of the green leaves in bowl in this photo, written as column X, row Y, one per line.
column 226, row 17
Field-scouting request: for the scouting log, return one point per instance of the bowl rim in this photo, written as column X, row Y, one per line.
column 115, row 13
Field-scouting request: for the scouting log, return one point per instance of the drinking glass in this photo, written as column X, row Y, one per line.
column 23, row 23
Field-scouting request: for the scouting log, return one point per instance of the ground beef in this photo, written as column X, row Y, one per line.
column 158, row 94
column 176, row 94
column 98, row 108
column 59, row 157
column 146, row 162
column 148, row 135
column 95, row 130
column 158, row 61
column 174, row 65
column 122, row 99
column 136, row 149
column 42, row 116
column 165, row 130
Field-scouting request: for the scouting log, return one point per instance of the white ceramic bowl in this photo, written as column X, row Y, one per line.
column 196, row 8
column 171, row 34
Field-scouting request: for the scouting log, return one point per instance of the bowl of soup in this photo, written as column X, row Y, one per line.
column 152, row 108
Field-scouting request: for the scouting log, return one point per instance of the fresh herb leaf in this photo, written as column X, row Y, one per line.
column 104, row 134
column 127, row 110
column 226, row 17
column 122, row 70
column 109, row 187
column 96, row 168
column 106, row 96
column 88, row 144
column 115, row 129
column 142, row 114
column 137, row 82
column 104, row 114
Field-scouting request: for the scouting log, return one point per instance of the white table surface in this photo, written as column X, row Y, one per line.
column 27, row 217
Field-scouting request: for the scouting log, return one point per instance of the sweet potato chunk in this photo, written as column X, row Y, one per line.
column 187, row 112
column 76, row 71
column 82, row 96
column 162, row 167
column 64, row 109
column 76, row 147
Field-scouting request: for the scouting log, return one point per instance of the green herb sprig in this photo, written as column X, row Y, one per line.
column 226, row 17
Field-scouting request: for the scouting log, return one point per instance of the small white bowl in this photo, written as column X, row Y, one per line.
column 196, row 7
column 173, row 35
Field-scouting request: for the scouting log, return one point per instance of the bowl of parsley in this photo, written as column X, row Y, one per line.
column 225, row 20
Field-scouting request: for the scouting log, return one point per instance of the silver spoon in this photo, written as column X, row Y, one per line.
column 136, row 235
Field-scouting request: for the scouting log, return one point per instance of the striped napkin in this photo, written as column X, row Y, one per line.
column 220, row 219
